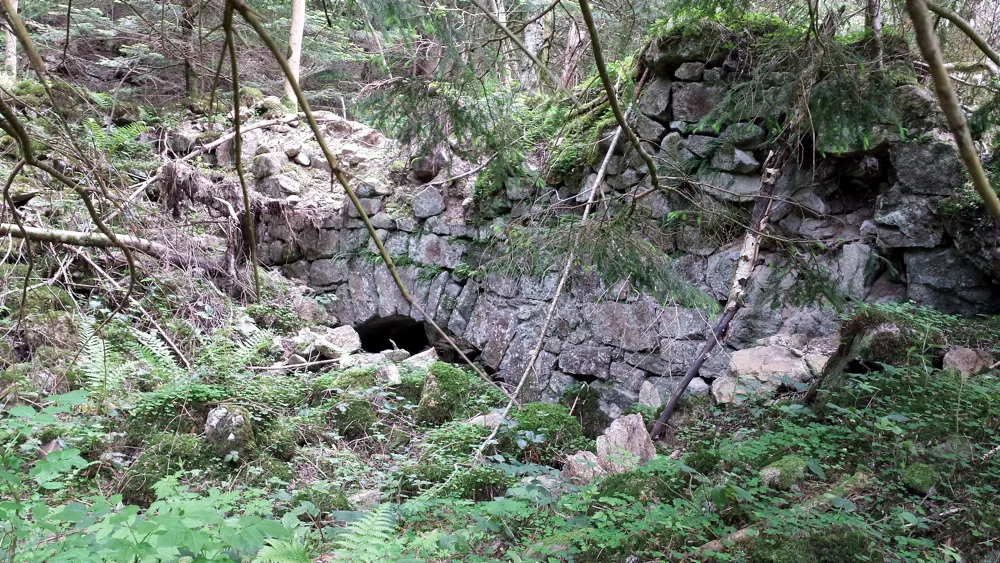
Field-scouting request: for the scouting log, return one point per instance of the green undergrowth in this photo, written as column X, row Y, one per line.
column 896, row 466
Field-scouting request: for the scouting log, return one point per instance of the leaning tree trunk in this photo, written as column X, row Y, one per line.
column 747, row 261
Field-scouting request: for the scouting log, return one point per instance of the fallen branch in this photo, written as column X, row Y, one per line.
column 99, row 240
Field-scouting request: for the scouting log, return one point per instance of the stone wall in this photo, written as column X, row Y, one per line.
column 871, row 215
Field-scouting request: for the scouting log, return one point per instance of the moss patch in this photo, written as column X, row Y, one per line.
column 444, row 391
column 920, row 478
column 784, row 473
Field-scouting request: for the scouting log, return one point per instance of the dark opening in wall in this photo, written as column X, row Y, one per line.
column 380, row 334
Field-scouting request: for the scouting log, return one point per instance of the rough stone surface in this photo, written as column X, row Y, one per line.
column 760, row 370
column 690, row 71
column 906, row 220
column 731, row 159
column 227, row 428
column 594, row 361
column 582, row 468
column 693, row 101
column 655, row 100
column 625, row 445
column 388, row 373
column 422, row 360
column 945, row 280
column 968, row 361
column 739, row 188
column 928, row 168
column 428, row 202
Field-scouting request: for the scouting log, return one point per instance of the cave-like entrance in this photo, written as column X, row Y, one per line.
column 381, row 333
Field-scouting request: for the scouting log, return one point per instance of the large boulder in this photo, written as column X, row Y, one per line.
column 738, row 188
column 655, row 100
column 667, row 53
column 906, row 220
column 759, row 370
column 582, row 467
column 968, row 361
column 228, row 428
column 693, row 100
column 625, row 445
column 594, row 361
column 928, row 168
column 944, row 279
column 428, row 203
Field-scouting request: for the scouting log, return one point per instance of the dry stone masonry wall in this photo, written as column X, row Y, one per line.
column 873, row 212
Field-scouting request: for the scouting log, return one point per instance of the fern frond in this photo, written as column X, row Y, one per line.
column 278, row 551
column 368, row 539
column 154, row 352
column 101, row 371
column 249, row 347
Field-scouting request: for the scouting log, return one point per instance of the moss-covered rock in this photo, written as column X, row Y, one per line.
column 228, row 429
column 479, row 483
column 784, row 473
column 920, row 478
column 53, row 329
column 165, row 455
column 281, row 440
column 444, row 391
column 43, row 299
column 786, row 550
column 412, row 385
column 352, row 417
column 659, row 481
column 543, row 433
column 832, row 545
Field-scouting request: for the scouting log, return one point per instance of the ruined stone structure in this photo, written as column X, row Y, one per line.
column 873, row 214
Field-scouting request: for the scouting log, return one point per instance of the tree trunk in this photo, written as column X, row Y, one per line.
column 187, row 26
column 927, row 41
column 295, row 46
column 873, row 20
column 9, row 77
column 571, row 54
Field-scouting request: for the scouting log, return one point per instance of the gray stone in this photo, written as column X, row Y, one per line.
column 421, row 361
column 519, row 188
column 932, row 168
column 770, row 366
column 182, row 140
column 228, row 428
column 737, row 188
column 744, row 135
column 719, row 272
column 632, row 326
column 968, row 361
column 713, row 76
column 625, row 445
column 854, row 270
column 343, row 338
column 433, row 250
column 627, row 377
column 655, row 100
column 282, row 185
column 690, row 72
column 582, row 468
column 594, row 361
column 383, row 220
column 302, row 159
column 656, row 205
column 731, row 159
column 753, row 323
column 371, row 206
column 667, row 53
column 428, row 202
column 656, row 391
column 944, row 279
column 649, row 130
column 268, row 164
column 917, row 106
column 491, row 328
column 700, row 145
column 692, row 101
column 584, row 194
column 327, row 272
column 388, row 373
column 906, row 220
